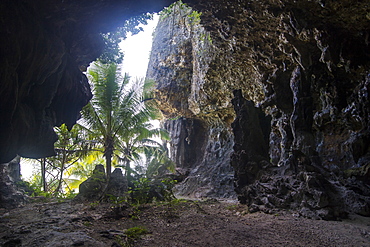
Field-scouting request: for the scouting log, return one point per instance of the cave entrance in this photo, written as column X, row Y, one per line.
column 136, row 49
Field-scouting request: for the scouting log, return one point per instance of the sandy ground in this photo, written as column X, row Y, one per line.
column 181, row 223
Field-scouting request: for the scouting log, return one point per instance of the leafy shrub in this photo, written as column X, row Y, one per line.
column 135, row 232
column 145, row 190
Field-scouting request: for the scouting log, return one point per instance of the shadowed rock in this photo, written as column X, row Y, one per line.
column 96, row 188
column 93, row 187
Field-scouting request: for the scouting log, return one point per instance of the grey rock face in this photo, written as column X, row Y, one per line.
column 202, row 155
column 201, row 139
column 10, row 194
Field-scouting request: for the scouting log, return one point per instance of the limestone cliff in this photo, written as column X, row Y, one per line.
column 293, row 77
column 201, row 134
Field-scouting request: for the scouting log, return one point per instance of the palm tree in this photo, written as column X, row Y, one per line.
column 136, row 136
column 158, row 162
column 135, row 141
column 117, row 116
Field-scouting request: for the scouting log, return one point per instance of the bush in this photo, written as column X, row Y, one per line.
column 135, row 232
column 145, row 190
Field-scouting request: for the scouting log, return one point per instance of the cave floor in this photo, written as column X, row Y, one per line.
column 181, row 223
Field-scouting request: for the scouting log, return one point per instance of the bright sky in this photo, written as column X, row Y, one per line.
column 137, row 51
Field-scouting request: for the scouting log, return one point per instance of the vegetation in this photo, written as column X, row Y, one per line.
column 112, row 53
column 70, row 149
column 118, row 116
column 115, row 126
column 145, row 190
column 192, row 16
column 181, row 7
column 132, row 234
column 103, row 117
column 135, row 232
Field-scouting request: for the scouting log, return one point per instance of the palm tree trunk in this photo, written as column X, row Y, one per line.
column 108, row 156
column 108, row 162
column 128, row 171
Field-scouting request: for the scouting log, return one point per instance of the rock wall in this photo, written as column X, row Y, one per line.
column 202, row 138
column 10, row 192
column 305, row 66
column 202, row 156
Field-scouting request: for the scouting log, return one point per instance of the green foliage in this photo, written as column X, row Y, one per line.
column 25, row 186
column 117, row 200
column 166, row 12
column 174, row 118
column 118, row 117
column 136, row 232
column 115, row 126
column 70, row 149
column 37, row 191
column 206, row 37
column 93, row 205
column 112, row 52
column 182, row 8
column 178, row 201
column 119, row 240
column 87, row 223
column 145, row 190
column 101, row 117
column 132, row 234
column 157, row 161
column 140, row 191
column 194, row 17
column 231, row 207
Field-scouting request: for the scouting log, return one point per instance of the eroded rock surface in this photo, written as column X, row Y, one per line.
column 305, row 66
column 201, row 134
column 11, row 195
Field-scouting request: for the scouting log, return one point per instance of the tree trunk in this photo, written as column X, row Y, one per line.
column 61, row 173
column 43, row 174
column 108, row 162
column 108, row 156
column 128, row 170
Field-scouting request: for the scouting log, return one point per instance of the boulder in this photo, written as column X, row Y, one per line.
column 93, row 187
column 96, row 187
column 117, row 185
